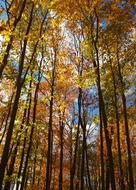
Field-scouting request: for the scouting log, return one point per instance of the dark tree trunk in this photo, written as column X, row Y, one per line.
column 87, row 168
column 32, row 128
column 7, row 118
column 49, row 153
column 35, row 159
column 84, row 136
column 107, row 175
column 108, row 140
column 8, row 48
column 101, row 154
column 4, row 158
column 13, row 159
column 31, row 60
column 130, row 168
column 11, row 168
column 54, row 172
column 83, row 160
column 27, row 111
column 50, row 130
column 39, row 177
column 26, row 160
column 27, row 124
column 2, row 120
column 22, row 159
column 78, row 172
column 102, row 106
column 73, row 168
column 61, row 155
column 122, row 185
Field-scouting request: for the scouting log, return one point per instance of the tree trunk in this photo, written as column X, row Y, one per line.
column 54, row 172
column 102, row 106
column 13, row 158
column 61, row 155
column 83, row 160
column 4, row 159
column 87, row 168
column 11, row 168
column 130, row 168
column 78, row 170
column 107, row 175
column 50, row 131
column 122, row 185
column 22, row 160
column 8, row 48
column 32, row 128
column 73, row 168
column 27, row 123
column 101, row 154
column 7, row 118
column 35, row 159
column 39, row 177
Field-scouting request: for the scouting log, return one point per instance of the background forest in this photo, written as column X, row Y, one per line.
column 67, row 95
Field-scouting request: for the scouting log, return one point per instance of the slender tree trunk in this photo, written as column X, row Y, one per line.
column 84, row 136
column 31, row 60
column 26, row 180
column 49, row 154
column 27, row 124
column 51, row 157
column 108, row 140
column 54, row 172
column 26, row 121
column 107, row 175
column 73, row 168
column 102, row 106
column 101, row 154
column 61, row 155
column 13, row 159
column 99, row 180
column 122, row 185
column 26, row 160
column 50, row 131
column 83, row 160
column 22, row 159
column 4, row 159
column 2, row 120
column 35, row 159
column 84, row 151
column 87, row 168
column 71, row 154
column 32, row 128
column 6, row 122
column 39, row 177
column 11, row 168
column 9, row 45
column 78, row 170
column 130, row 168
column 18, row 142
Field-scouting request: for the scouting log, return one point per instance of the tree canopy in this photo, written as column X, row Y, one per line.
column 67, row 95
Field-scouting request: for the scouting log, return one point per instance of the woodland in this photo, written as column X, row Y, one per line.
column 67, row 95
